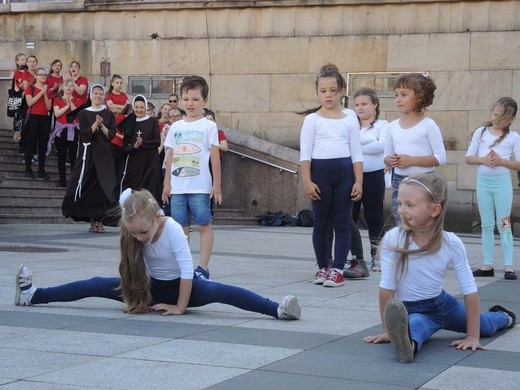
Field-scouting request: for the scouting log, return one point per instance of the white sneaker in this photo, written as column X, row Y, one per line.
column 289, row 309
column 376, row 267
column 24, row 287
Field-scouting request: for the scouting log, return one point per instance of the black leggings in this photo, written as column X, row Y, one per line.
column 38, row 130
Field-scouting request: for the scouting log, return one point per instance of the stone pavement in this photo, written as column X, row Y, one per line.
column 93, row 344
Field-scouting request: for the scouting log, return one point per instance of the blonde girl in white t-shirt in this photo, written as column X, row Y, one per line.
column 414, row 260
column 492, row 147
column 156, row 272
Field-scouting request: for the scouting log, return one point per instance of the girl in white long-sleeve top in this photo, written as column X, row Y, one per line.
column 414, row 141
column 492, row 148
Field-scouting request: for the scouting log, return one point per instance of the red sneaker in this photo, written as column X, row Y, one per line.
column 321, row 276
column 334, row 279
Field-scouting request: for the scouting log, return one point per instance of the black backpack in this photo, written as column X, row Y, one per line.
column 305, row 218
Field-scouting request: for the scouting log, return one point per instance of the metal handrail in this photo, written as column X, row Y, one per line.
column 262, row 161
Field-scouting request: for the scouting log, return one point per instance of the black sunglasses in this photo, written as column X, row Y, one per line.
column 173, row 101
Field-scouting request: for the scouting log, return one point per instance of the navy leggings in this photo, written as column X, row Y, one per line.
column 202, row 293
column 335, row 178
column 372, row 200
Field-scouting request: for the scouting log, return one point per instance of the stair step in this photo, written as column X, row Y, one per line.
column 20, row 167
column 236, row 221
column 227, row 213
column 31, row 210
column 22, row 182
column 28, row 218
column 22, row 193
column 10, row 157
column 34, row 202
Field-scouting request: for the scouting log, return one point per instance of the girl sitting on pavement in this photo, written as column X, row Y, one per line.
column 156, row 272
column 414, row 259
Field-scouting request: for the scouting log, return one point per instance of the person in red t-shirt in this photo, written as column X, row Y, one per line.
column 222, row 144
column 18, row 76
column 29, row 76
column 81, row 82
column 21, row 67
column 55, row 79
column 65, row 133
column 38, row 125
column 222, row 140
column 115, row 99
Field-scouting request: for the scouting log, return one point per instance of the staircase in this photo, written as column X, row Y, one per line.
column 24, row 200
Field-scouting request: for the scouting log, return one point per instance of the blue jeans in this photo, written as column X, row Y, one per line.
column 183, row 206
column 202, row 293
column 335, row 178
column 445, row 312
column 495, row 198
column 396, row 180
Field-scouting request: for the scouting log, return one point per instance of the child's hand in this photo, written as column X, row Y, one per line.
column 167, row 189
column 487, row 159
column 216, row 195
column 469, row 342
column 380, row 338
column 404, row 161
column 168, row 309
column 312, row 191
column 357, row 192
column 393, row 160
column 496, row 160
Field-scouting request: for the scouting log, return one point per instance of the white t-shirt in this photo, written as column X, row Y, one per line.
column 324, row 138
column 373, row 145
column 169, row 257
column 424, row 278
column 480, row 146
column 191, row 143
column 423, row 139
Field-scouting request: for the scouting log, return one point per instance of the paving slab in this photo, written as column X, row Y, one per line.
column 92, row 343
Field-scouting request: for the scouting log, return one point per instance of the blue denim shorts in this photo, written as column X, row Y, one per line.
column 184, row 206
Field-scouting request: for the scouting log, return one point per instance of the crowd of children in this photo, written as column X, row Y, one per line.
column 344, row 157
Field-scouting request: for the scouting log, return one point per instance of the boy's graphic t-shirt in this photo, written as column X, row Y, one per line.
column 191, row 143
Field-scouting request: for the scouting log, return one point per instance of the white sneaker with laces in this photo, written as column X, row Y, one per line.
column 289, row 309
column 24, row 287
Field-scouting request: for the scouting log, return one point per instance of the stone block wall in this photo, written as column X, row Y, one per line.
column 261, row 60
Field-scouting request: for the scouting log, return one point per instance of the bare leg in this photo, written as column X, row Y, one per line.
column 206, row 245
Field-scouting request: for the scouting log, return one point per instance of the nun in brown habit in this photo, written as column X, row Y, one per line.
column 90, row 190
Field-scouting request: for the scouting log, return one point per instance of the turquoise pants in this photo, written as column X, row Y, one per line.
column 495, row 199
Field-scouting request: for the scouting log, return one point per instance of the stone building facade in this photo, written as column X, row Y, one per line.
column 261, row 57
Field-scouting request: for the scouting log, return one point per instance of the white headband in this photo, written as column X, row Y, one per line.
column 422, row 186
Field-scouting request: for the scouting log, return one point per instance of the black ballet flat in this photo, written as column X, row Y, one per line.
column 481, row 272
column 510, row 275
column 497, row 308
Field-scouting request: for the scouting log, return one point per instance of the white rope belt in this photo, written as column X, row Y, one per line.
column 123, row 178
column 77, row 195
